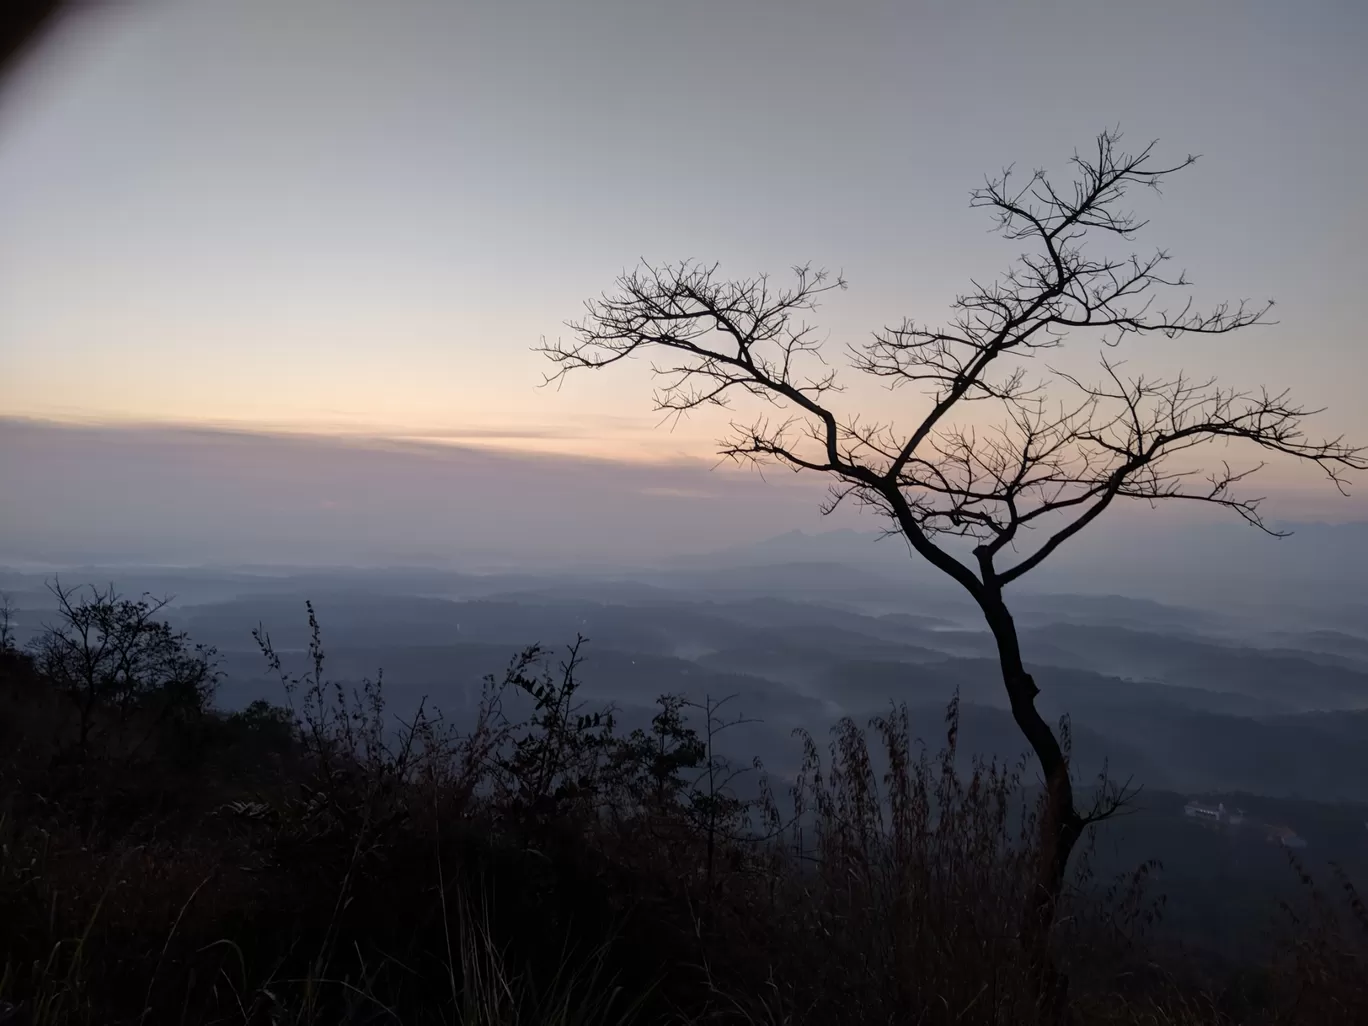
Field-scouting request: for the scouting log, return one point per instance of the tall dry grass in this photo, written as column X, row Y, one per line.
column 323, row 862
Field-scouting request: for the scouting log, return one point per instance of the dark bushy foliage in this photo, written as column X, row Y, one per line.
column 321, row 861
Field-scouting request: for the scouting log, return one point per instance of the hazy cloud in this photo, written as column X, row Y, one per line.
column 169, row 494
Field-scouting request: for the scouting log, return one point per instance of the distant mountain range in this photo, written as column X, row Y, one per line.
column 1262, row 703
column 1315, row 577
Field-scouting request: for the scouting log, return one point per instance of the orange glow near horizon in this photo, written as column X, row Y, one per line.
column 220, row 218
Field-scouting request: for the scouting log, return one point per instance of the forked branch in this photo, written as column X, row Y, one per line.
column 1060, row 451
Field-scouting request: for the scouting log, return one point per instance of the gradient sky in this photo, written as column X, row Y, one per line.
column 349, row 217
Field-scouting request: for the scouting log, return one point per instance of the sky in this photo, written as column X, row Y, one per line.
column 356, row 220
column 194, row 497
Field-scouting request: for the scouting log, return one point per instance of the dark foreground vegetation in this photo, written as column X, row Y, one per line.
column 321, row 862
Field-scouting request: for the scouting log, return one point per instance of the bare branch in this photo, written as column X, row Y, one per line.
column 1051, row 464
column 1059, row 451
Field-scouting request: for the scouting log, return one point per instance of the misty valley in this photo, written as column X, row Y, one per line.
column 1190, row 708
column 725, row 513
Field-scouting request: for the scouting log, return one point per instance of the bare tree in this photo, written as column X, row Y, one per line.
column 8, row 612
column 113, row 657
column 1063, row 450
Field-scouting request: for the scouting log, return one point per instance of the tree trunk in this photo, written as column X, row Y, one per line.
column 1061, row 826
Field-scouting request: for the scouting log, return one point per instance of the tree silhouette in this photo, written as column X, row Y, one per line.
column 1062, row 450
column 116, row 660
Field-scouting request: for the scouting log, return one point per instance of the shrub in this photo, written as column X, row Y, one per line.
column 324, row 861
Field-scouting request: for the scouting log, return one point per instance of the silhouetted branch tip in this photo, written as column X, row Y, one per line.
column 993, row 452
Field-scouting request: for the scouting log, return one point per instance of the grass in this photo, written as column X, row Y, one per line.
column 321, row 862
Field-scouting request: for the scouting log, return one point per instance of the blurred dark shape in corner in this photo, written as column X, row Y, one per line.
column 23, row 25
